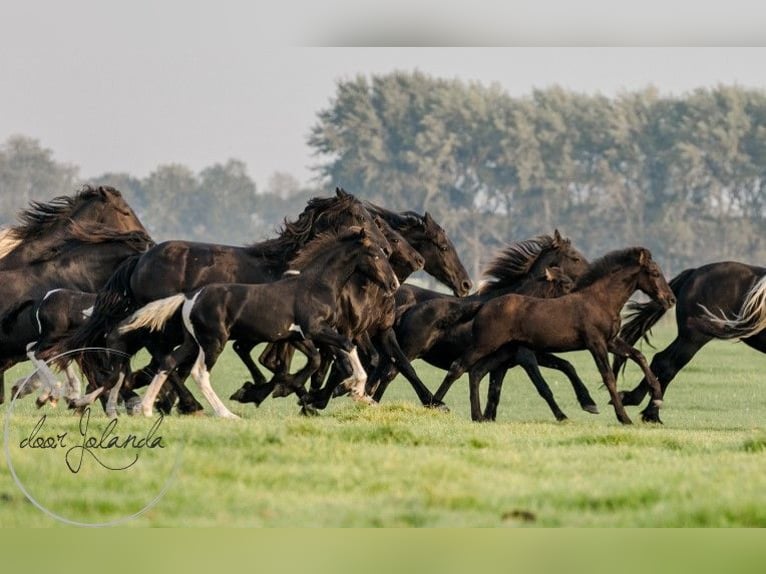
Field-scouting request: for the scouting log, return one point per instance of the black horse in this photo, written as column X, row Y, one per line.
column 368, row 315
column 176, row 267
column 430, row 240
column 721, row 300
column 588, row 318
column 302, row 308
column 40, row 323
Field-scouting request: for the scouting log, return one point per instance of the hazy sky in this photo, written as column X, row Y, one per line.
column 126, row 88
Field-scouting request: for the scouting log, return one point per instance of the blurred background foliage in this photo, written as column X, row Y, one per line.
column 683, row 175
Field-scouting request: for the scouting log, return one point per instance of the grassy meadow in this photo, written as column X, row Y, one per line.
column 398, row 464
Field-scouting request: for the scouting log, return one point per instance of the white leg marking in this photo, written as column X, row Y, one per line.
column 51, row 385
column 356, row 383
column 75, row 385
column 202, row 377
column 30, row 385
column 114, row 394
column 87, row 399
column 147, row 403
column 199, row 371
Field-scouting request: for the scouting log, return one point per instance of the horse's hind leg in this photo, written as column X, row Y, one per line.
column 496, row 377
column 551, row 361
column 528, row 361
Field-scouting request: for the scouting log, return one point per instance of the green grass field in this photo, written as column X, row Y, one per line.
column 401, row 465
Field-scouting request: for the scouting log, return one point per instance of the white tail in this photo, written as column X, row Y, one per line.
column 751, row 318
column 154, row 315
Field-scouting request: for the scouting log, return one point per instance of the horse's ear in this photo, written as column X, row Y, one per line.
column 557, row 239
column 549, row 274
column 644, row 257
column 427, row 219
column 340, row 192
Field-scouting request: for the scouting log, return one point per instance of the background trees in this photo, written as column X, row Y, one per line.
column 682, row 175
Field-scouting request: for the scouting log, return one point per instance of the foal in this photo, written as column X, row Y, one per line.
column 586, row 319
column 301, row 308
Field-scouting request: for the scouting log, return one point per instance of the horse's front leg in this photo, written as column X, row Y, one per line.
column 623, row 349
column 601, row 357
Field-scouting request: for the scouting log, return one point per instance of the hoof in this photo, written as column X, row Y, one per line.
column 592, row 409
column 625, row 421
column 133, row 406
column 365, row 399
column 440, row 406
column 561, row 418
column 339, row 391
column 309, row 411
column 651, row 417
column 240, row 394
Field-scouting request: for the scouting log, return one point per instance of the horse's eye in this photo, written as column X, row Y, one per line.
column 442, row 248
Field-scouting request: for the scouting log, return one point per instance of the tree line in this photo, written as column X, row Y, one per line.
column 682, row 175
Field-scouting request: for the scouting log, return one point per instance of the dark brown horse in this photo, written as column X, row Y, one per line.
column 438, row 327
column 721, row 300
column 586, row 319
column 302, row 308
column 46, row 224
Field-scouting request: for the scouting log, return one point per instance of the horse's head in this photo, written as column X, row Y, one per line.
column 441, row 259
column 106, row 206
column 556, row 282
column 404, row 259
column 372, row 262
column 344, row 211
column 651, row 280
column 563, row 255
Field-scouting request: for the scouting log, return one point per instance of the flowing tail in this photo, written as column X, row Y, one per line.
column 114, row 303
column 641, row 317
column 154, row 315
column 750, row 320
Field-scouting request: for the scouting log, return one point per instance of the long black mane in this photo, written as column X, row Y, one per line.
column 612, row 261
column 293, row 235
column 514, row 261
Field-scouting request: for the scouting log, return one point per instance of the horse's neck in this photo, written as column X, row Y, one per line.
column 612, row 290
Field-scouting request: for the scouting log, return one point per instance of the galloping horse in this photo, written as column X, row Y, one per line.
column 588, row 318
column 438, row 327
column 176, row 267
column 302, row 308
column 721, row 300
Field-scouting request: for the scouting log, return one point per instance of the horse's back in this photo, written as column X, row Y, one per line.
column 721, row 286
column 183, row 266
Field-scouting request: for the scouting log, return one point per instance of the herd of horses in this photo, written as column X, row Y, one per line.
column 82, row 272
